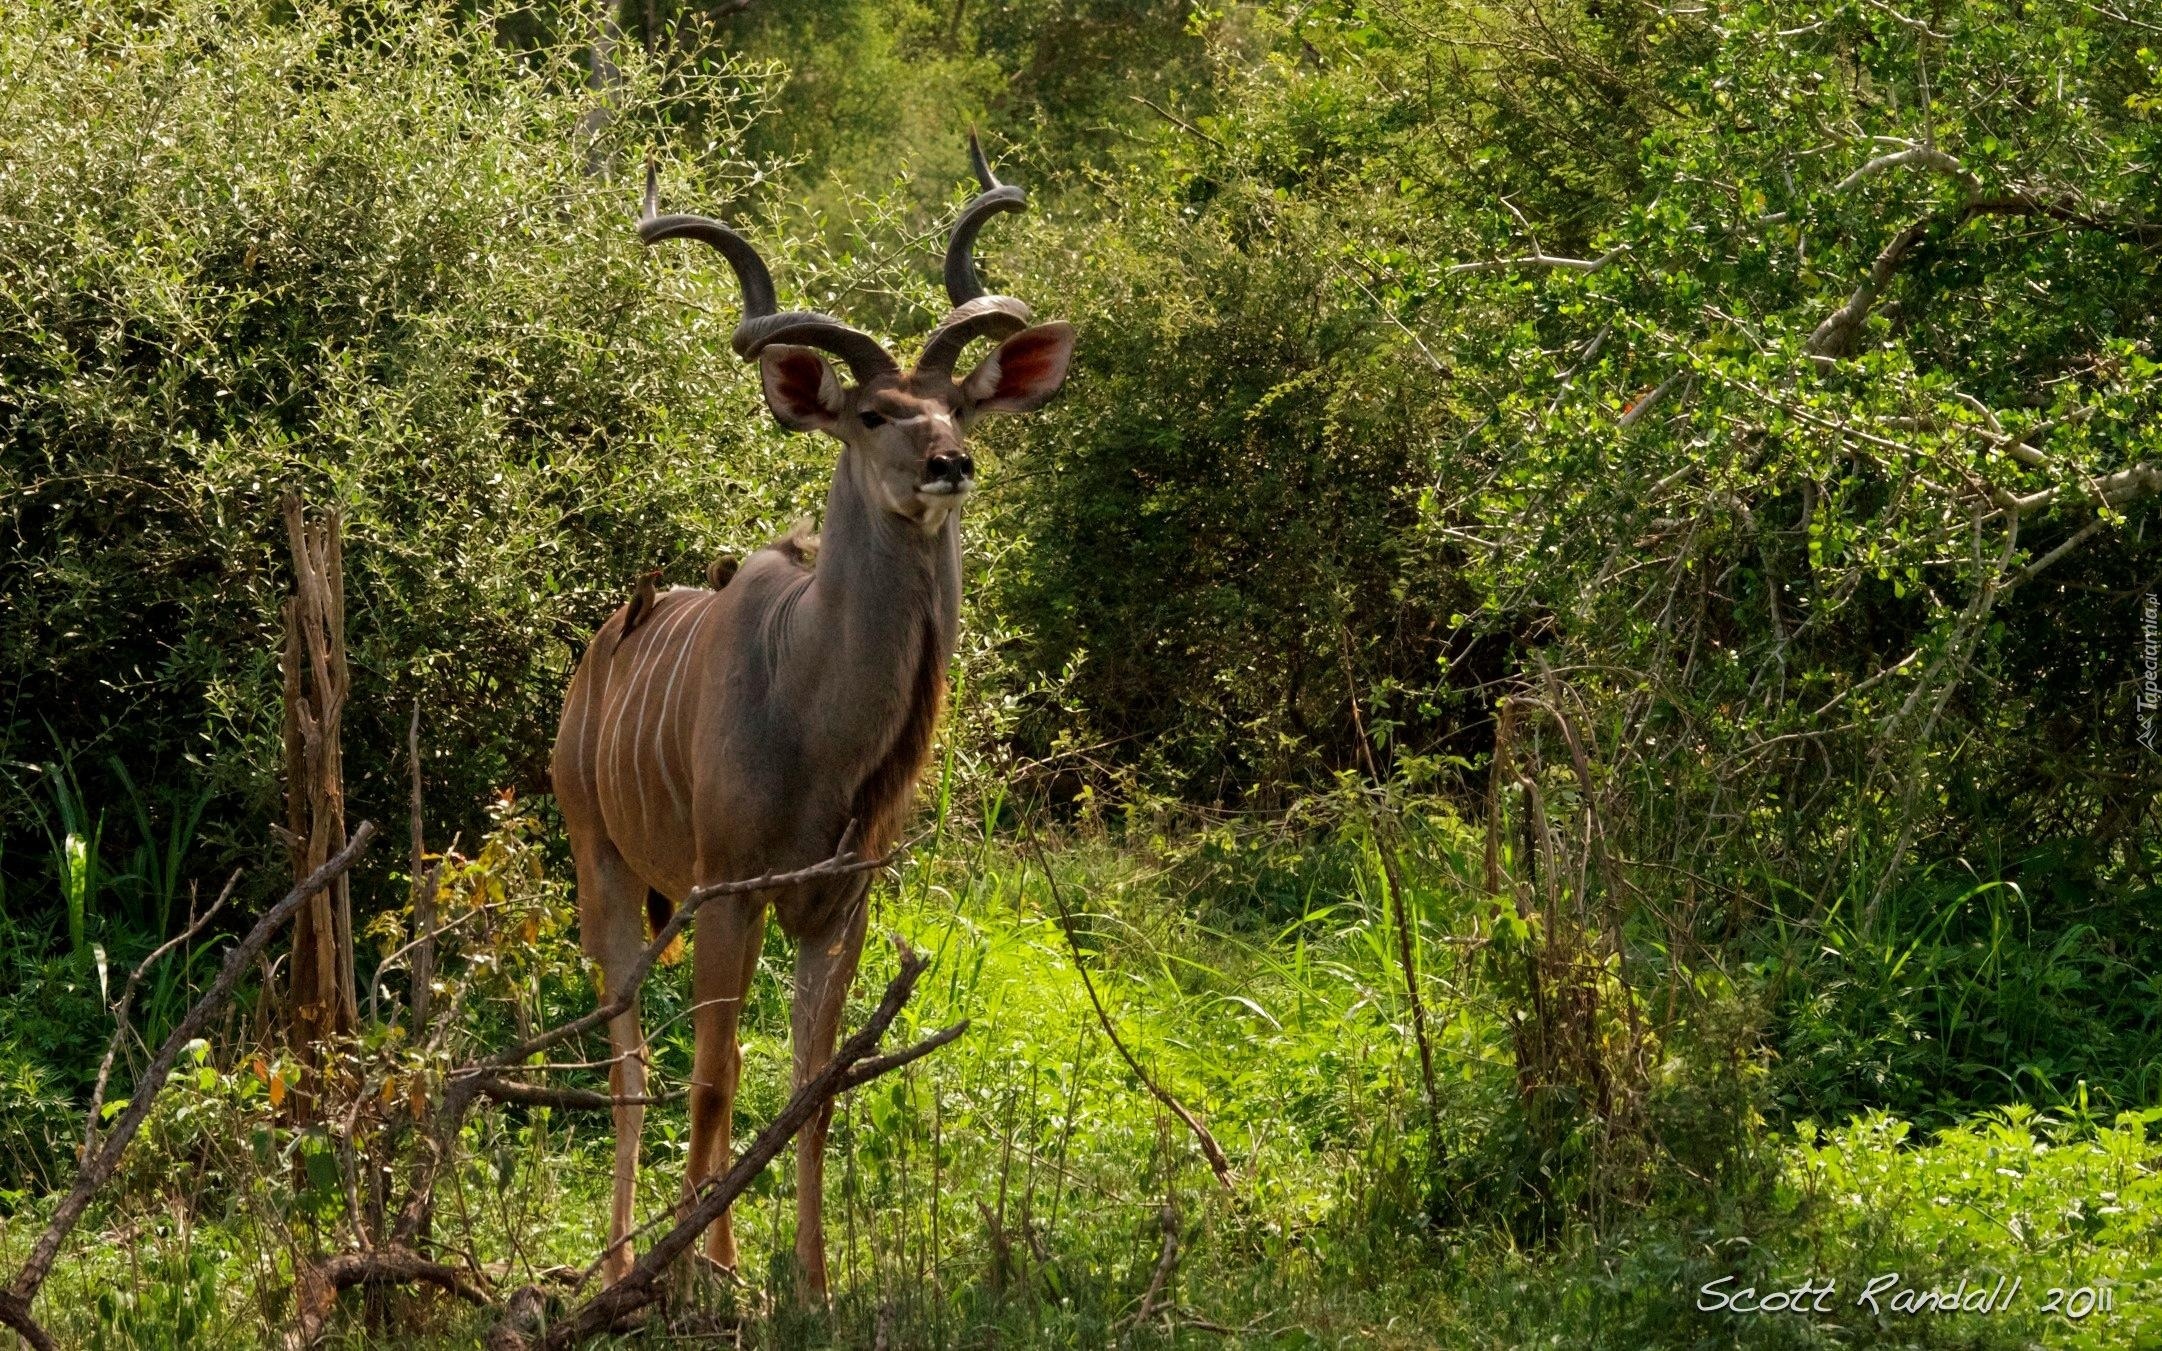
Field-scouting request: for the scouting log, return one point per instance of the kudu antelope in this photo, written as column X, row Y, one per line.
column 732, row 733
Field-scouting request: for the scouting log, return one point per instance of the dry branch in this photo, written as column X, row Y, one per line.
column 15, row 1314
column 121, row 1027
column 316, row 1293
column 470, row 1082
column 1210, row 1150
column 852, row 1064
column 1168, row 1218
column 541, row 1095
column 843, row 863
column 1540, row 259
column 98, row 1166
column 1834, row 338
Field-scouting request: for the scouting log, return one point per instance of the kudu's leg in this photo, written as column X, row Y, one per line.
column 611, row 927
column 825, row 968
column 730, row 933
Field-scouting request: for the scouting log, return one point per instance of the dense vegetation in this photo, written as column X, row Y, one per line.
column 1673, row 481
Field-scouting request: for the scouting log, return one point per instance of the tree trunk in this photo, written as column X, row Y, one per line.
column 319, row 981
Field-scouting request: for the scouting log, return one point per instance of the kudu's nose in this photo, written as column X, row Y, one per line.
column 949, row 468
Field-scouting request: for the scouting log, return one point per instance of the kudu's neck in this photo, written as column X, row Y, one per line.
column 885, row 598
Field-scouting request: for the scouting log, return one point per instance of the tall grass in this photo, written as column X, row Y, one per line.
column 1013, row 1189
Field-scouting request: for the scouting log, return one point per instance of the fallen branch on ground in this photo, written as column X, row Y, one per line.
column 852, row 1065
column 1210, row 1150
column 316, row 1293
column 98, row 1166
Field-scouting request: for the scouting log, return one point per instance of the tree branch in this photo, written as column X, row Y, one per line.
column 1923, row 156
column 540, row 1095
column 1541, row 259
column 843, row 863
column 1212, row 1151
column 471, row 1081
column 852, row 1065
column 127, row 999
column 316, row 1293
column 1835, row 336
column 99, row 1167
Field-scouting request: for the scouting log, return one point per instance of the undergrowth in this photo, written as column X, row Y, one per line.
column 1013, row 1189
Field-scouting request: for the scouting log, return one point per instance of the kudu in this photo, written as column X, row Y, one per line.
column 721, row 735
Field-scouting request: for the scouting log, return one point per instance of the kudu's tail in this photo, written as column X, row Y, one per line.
column 659, row 910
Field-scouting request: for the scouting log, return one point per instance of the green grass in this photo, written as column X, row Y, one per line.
column 1009, row 1190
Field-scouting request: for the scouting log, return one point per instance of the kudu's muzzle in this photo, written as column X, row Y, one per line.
column 947, row 472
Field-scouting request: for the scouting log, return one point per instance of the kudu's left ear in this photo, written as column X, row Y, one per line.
column 801, row 389
column 1025, row 371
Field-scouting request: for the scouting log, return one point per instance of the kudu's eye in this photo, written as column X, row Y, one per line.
column 870, row 419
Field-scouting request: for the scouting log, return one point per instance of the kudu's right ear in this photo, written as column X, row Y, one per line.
column 801, row 389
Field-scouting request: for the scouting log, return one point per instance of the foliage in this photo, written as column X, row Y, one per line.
column 1672, row 481
column 1010, row 1186
column 1785, row 580
column 247, row 252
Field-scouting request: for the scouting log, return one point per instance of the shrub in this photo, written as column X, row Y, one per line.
column 354, row 249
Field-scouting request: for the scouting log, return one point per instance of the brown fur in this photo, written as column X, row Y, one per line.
column 737, row 729
column 882, row 801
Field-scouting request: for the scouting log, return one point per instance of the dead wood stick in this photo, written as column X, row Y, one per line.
column 99, row 1167
column 1168, row 1217
column 862, row 1074
column 316, row 1293
column 843, row 863
column 464, row 1084
column 541, row 1095
column 851, row 1065
column 1210, row 1150
column 127, row 999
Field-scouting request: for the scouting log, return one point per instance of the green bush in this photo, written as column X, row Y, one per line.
column 353, row 250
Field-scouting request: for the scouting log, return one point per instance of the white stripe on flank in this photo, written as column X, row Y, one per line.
column 661, row 629
column 639, row 660
column 704, row 604
column 588, row 757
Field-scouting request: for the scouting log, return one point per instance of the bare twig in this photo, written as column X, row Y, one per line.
column 843, row 863
column 127, row 998
column 541, row 1095
column 1541, row 259
column 1636, row 411
column 1168, row 1218
column 1212, row 1151
column 316, row 1293
column 1175, row 120
column 469, row 1082
column 851, row 1065
column 98, row 1167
